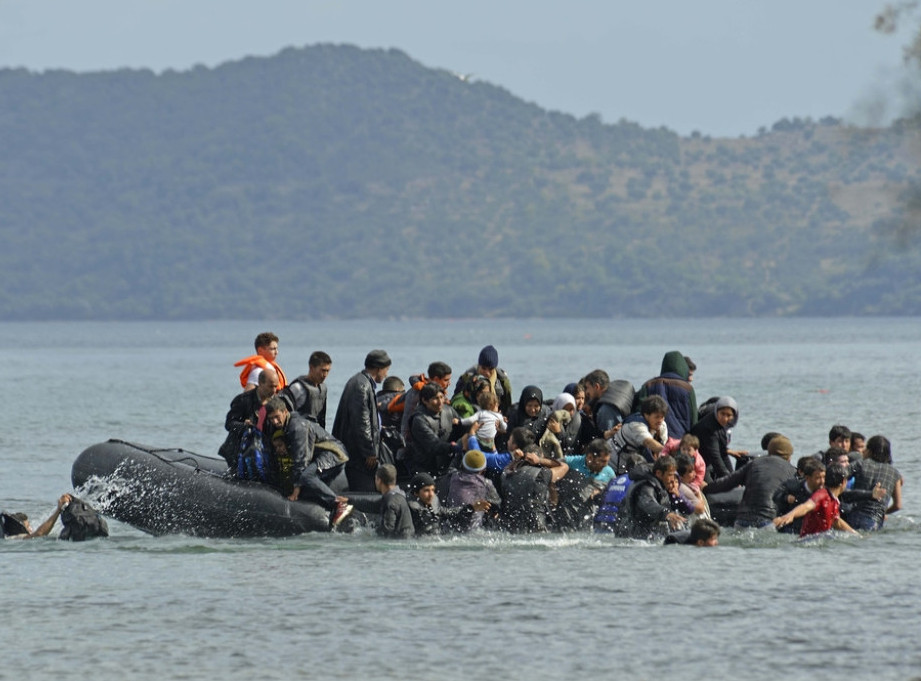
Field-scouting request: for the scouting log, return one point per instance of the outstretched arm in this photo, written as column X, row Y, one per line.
column 46, row 526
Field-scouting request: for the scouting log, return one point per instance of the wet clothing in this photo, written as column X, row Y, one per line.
column 869, row 514
column 396, row 519
column 761, row 478
column 795, row 487
column 642, row 515
column 822, row 517
column 673, row 386
column 465, row 488
column 601, row 479
column 358, row 427
column 306, row 399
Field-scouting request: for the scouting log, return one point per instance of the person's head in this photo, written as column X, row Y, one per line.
column 475, row 386
column 488, row 400
column 432, row 396
column 474, row 461
column 684, row 466
column 665, row 469
column 440, row 373
column 780, row 446
column 836, row 477
column 691, row 368
column 595, row 383
column 726, row 412
column 423, row 487
column 488, row 361
column 766, row 439
column 17, row 525
column 267, row 345
column 520, row 438
column 267, row 384
column 318, row 367
column 704, row 532
column 578, row 393
column 278, row 442
column 385, row 478
column 812, row 471
column 858, row 442
column 597, row 455
column 653, row 409
column 879, row 449
column 393, row 384
column 840, row 436
column 834, row 455
column 377, row 364
column 276, row 412
column 564, row 401
column 688, row 444
column 531, row 401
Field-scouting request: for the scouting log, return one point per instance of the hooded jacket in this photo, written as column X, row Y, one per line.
column 673, row 386
column 714, row 439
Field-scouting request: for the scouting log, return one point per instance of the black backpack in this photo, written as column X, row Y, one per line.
column 82, row 521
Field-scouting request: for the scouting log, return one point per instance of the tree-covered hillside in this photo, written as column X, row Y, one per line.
column 331, row 181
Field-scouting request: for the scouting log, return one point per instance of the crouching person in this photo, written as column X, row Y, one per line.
column 299, row 468
column 430, row 518
column 470, row 487
column 649, row 509
column 396, row 520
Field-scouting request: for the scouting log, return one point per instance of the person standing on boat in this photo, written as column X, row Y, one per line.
column 487, row 365
column 673, row 386
column 307, row 394
column 245, row 410
column 266, row 353
column 308, row 470
column 358, row 424
column 431, row 447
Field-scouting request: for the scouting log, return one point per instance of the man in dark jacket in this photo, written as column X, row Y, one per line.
column 357, row 423
column 648, row 511
column 244, row 412
column 762, row 477
column 610, row 402
column 673, row 386
column 301, row 470
column 488, row 366
column 430, row 446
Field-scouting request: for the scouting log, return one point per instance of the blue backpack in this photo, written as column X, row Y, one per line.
column 251, row 459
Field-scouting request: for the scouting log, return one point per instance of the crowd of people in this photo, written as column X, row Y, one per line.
column 647, row 463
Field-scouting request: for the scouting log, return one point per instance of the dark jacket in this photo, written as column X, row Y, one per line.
column 243, row 407
column 436, row 519
column 285, row 474
column 613, row 406
column 520, row 418
column 306, row 399
column 645, row 508
column 396, row 520
column 714, row 441
column 762, row 477
column 465, row 488
column 429, row 448
column 673, row 386
column 357, row 424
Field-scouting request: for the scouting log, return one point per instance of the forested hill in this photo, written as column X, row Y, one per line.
column 331, row 181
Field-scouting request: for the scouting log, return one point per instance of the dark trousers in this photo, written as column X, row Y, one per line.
column 315, row 485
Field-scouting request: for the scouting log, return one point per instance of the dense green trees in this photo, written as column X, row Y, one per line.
column 336, row 182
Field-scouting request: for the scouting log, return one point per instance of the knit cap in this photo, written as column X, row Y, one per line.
column 474, row 461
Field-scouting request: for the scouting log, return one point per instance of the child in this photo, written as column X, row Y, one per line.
column 688, row 444
column 489, row 418
column 823, row 510
column 396, row 520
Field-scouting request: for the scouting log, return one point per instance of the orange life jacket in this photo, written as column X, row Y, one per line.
column 398, row 404
column 248, row 363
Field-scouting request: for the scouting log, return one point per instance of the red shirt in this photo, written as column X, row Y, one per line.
column 822, row 517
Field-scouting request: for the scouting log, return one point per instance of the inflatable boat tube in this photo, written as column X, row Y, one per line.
column 173, row 491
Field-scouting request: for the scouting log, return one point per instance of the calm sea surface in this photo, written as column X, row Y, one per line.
column 491, row 606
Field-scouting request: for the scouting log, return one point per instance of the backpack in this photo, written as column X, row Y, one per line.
column 82, row 521
column 251, row 459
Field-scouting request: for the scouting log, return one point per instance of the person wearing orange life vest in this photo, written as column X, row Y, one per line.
column 266, row 351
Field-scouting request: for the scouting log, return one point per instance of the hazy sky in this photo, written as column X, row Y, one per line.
column 724, row 67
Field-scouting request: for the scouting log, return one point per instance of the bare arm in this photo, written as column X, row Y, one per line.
column 46, row 526
column 797, row 512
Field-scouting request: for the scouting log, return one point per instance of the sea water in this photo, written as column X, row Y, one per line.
column 760, row 606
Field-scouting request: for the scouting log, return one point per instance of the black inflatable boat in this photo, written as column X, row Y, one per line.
column 173, row 491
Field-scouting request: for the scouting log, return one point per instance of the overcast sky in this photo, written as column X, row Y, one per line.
column 723, row 67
